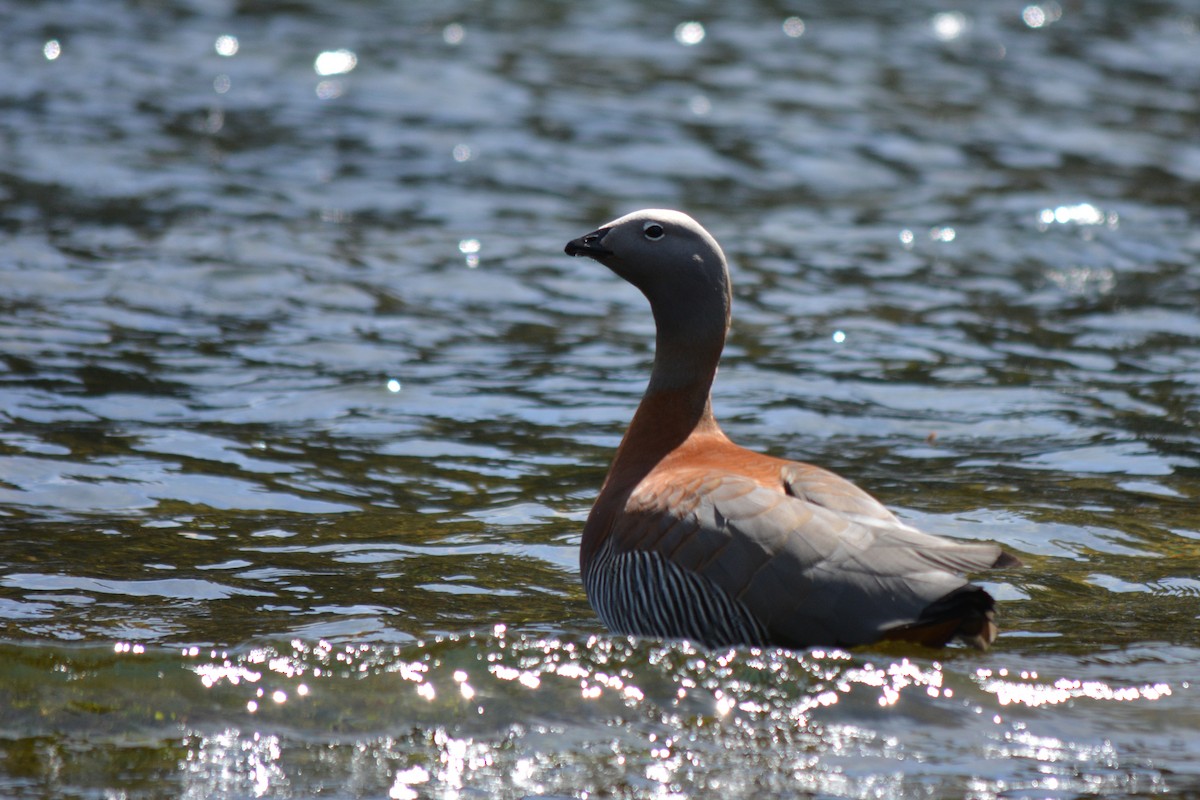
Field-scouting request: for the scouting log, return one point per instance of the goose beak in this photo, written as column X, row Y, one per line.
column 589, row 245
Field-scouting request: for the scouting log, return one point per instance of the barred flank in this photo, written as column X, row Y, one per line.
column 644, row 594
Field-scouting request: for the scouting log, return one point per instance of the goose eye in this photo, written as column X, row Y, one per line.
column 653, row 231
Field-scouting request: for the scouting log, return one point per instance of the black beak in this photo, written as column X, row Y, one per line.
column 588, row 245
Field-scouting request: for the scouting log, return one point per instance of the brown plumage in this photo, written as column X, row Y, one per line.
column 694, row 537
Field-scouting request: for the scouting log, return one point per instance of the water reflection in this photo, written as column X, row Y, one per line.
column 794, row 27
column 453, row 34
column 509, row 712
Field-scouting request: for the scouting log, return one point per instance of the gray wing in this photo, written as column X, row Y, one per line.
column 817, row 563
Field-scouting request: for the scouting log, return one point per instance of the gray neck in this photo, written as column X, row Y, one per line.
column 689, row 340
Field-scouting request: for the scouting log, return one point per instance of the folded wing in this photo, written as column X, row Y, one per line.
column 814, row 561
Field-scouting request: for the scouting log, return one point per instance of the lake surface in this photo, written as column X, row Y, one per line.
column 302, row 407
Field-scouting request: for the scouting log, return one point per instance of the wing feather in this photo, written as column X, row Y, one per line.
column 816, row 561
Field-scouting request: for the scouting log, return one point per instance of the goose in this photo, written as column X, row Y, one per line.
column 693, row 537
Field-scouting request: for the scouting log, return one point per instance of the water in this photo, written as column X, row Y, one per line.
column 298, row 389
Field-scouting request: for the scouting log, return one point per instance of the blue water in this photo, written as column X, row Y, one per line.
column 298, row 390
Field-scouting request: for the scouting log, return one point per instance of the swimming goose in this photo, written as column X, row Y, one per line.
column 693, row 537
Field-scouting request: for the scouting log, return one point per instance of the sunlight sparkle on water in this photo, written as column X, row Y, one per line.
column 689, row 33
column 393, row 385
column 470, row 249
column 467, row 691
column 212, row 674
column 891, row 681
column 948, row 25
column 1033, row 695
column 405, row 778
column 335, row 62
column 1039, row 16
column 1078, row 214
column 226, row 45
column 529, row 680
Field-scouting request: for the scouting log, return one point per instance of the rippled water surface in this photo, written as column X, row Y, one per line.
column 302, row 407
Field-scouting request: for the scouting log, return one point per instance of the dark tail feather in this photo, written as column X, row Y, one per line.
column 1006, row 560
column 967, row 614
